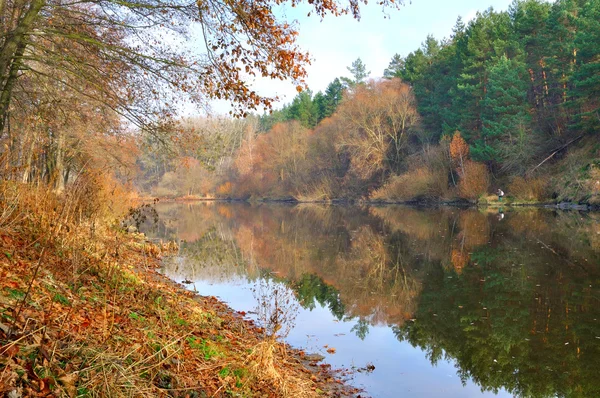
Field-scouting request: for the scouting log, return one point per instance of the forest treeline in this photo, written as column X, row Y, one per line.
column 509, row 101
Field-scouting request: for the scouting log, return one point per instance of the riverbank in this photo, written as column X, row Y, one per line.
column 461, row 203
column 83, row 312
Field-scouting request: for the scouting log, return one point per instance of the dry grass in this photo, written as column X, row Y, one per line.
column 321, row 191
column 99, row 322
column 421, row 182
column 263, row 363
column 531, row 189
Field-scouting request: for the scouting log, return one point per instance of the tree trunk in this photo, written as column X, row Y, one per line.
column 11, row 53
column 29, row 151
column 9, row 83
column 59, row 165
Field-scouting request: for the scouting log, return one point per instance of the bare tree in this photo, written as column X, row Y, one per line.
column 379, row 117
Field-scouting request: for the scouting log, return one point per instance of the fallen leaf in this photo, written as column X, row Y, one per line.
column 4, row 327
column 68, row 383
column 9, row 350
column 45, row 386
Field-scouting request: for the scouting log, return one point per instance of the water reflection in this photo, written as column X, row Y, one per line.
column 513, row 301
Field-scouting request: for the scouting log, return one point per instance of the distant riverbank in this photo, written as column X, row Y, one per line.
column 487, row 202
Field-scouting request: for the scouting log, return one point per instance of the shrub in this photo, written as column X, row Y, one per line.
column 322, row 190
column 474, row 180
column 169, row 185
column 528, row 189
column 418, row 183
column 224, row 190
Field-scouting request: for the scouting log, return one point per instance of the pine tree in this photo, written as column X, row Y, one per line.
column 359, row 73
column 303, row 110
column 506, row 132
column 431, row 47
column 486, row 39
column 395, row 67
column 529, row 19
column 586, row 80
column 319, row 103
column 561, row 57
column 333, row 97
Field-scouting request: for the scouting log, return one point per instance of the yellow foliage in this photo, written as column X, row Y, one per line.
column 224, row 189
column 528, row 189
column 459, row 149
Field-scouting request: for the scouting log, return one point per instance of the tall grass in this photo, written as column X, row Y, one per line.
column 533, row 189
column 419, row 183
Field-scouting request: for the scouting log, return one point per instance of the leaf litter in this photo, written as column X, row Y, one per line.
column 99, row 320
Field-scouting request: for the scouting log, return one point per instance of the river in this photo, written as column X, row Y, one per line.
column 412, row 302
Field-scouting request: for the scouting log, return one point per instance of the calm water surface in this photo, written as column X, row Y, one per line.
column 443, row 302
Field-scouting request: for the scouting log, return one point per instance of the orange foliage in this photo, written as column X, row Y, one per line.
column 459, row 149
column 459, row 260
column 224, row 189
column 245, row 37
column 273, row 163
column 245, row 159
column 474, row 181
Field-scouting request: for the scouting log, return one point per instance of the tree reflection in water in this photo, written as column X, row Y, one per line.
column 515, row 301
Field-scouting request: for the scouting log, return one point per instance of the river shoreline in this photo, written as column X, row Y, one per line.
column 460, row 203
column 98, row 319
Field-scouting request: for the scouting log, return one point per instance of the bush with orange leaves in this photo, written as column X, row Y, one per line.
column 224, row 190
column 459, row 150
column 474, row 177
column 474, row 180
column 528, row 189
column 459, row 260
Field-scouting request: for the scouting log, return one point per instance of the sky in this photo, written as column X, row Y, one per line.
column 335, row 42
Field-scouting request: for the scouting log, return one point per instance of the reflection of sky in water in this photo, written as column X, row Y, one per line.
column 400, row 369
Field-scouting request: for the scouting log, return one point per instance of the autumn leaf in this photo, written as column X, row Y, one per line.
column 68, row 383
column 10, row 350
